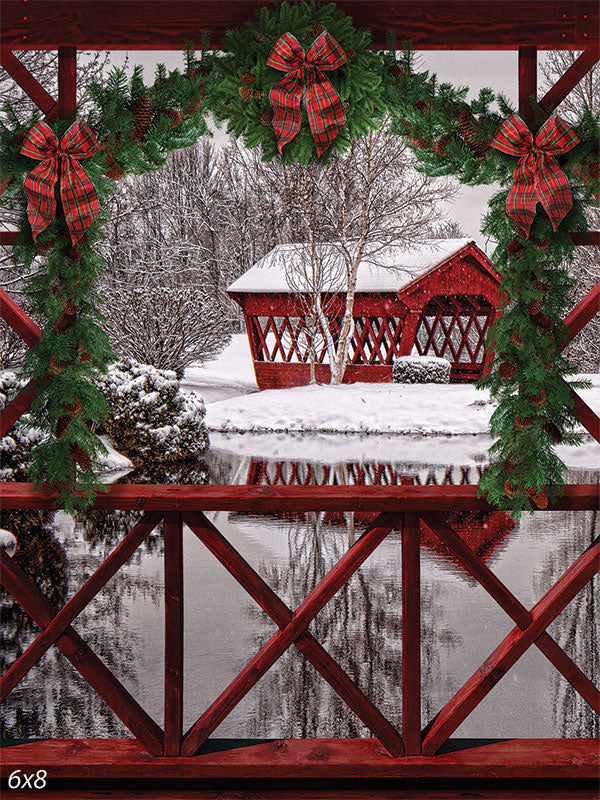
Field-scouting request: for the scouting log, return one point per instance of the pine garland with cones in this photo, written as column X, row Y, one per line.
column 450, row 135
column 138, row 126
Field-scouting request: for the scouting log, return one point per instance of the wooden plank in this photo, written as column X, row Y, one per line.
column 411, row 634
column 19, row 321
column 567, row 82
column 63, row 619
column 21, row 75
column 583, row 312
column 67, row 81
column 20, row 404
column 282, row 639
column 279, row 612
column 85, row 661
column 511, row 649
column 586, row 415
column 557, row 656
column 590, row 238
column 8, row 238
column 429, row 24
column 173, row 561
column 527, row 81
column 309, row 758
column 260, row 499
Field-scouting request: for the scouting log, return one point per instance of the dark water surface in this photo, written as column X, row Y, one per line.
column 361, row 627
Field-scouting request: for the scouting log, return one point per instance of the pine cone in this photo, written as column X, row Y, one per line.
column 83, row 356
column 539, row 499
column 64, row 322
column 345, row 105
column 246, row 93
column 73, row 252
column 318, row 29
column 45, row 247
column 507, row 370
column 511, row 489
column 142, row 111
column 508, row 466
column 260, row 37
column 441, row 144
column 422, row 144
column 552, row 430
column 199, row 71
column 541, row 244
column 535, row 306
column 5, row 183
column 191, row 108
column 247, row 78
column 422, row 106
column 593, row 170
column 62, row 425
column 57, row 365
column 514, row 246
column 174, row 115
column 113, row 170
column 74, row 407
column 537, row 399
column 543, row 321
column 539, row 284
column 516, row 339
column 469, row 133
column 266, row 118
column 350, row 53
column 523, row 422
column 82, row 457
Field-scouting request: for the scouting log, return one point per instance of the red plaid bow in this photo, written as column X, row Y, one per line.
column 77, row 193
column 325, row 113
column 537, row 176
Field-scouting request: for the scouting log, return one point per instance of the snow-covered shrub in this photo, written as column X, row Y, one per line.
column 421, row 369
column 19, row 440
column 149, row 417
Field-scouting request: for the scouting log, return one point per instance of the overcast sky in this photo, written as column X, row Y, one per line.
column 473, row 68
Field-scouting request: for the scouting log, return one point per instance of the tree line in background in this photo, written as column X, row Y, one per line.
column 177, row 238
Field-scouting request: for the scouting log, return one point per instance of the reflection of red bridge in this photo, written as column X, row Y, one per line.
column 262, row 472
column 484, row 531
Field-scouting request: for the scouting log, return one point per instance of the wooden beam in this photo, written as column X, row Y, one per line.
column 429, row 24
column 411, row 634
column 279, row 642
column 8, row 238
column 63, row 619
column 261, row 499
column 44, row 101
column 590, row 238
column 583, row 312
column 121, row 759
column 586, row 415
column 67, row 81
column 511, row 649
column 527, row 82
column 85, row 661
column 306, row 644
column 19, row 321
column 173, row 562
column 20, row 404
column 567, row 82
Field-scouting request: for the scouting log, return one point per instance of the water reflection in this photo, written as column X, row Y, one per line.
column 360, row 627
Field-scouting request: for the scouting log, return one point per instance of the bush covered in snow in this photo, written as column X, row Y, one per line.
column 421, row 369
column 19, row 440
column 150, row 417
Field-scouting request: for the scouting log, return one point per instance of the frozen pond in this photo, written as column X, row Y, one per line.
column 360, row 627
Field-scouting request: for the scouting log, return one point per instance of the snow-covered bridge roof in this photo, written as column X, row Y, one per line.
column 389, row 270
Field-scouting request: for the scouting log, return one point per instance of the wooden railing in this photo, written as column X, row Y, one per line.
column 403, row 508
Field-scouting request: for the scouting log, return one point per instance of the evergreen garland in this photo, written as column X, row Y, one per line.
column 138, row 127
column 535, row 410
column 240, row 91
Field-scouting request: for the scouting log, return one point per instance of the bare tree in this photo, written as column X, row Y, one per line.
column 585, row 348
column 360, row 205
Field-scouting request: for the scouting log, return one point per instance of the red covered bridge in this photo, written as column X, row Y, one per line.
column 436, row 298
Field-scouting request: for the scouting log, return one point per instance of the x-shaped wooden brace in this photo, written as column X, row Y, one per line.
column 56, row 629
column 531, row 629
column 292, row 630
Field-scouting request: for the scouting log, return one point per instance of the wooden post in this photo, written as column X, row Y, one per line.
column 411, row 634
column 527, row 81
column 67, row 81
column 173, row 555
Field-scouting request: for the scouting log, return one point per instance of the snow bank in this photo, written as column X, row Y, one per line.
column 437, row 409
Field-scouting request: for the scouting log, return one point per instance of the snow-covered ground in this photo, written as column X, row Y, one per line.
column 307, row 420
